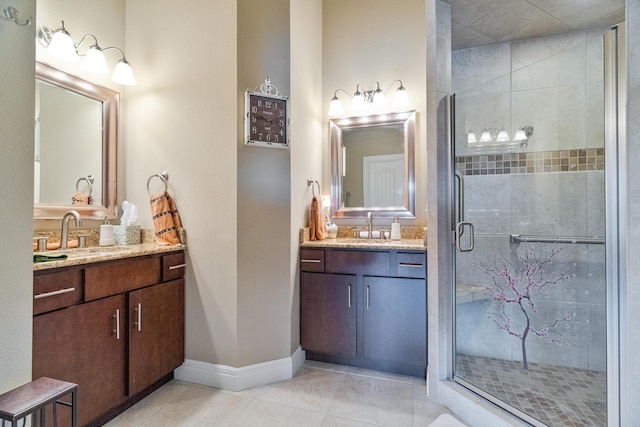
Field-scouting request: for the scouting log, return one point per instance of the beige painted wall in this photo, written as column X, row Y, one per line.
column 182, row 118
column 365, row 42
column 264, row 192
column 17, row 89
column 306, row 132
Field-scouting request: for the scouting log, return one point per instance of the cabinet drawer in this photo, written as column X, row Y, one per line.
column 173, row 266
column 52, row 291
column 358, row 262
column 118, row 277
column 312, row 260
column 411, row 265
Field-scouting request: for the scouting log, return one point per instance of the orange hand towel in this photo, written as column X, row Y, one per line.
column 318, row 226
column 166, row 219
column 81, row 199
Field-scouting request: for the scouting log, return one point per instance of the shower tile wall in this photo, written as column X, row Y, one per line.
column 552, row 186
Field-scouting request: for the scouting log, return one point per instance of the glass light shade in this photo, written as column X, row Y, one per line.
column 486, row 136
column 379, row 100
column 335, row 108
column 123, row 74
column 400, row 98
column 94, row 61
column 61, row 46
column 357, row 104
column 519, row 135
column 471, row 137
column 503, row 135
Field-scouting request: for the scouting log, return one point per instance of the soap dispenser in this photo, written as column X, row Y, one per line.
column 106, row 233
column 395, row 229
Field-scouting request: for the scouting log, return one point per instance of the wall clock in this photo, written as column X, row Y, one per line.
column 266, row 117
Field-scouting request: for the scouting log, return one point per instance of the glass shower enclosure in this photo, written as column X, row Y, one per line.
column 530, row 161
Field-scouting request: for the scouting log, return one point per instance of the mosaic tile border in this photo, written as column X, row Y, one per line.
column 532, row 162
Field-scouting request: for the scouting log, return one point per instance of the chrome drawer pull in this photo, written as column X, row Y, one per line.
column 52, row 293
column 405, row 264
column 349, row 296
column 175, row 267
column 139, row 322
column 117, row 329
column 311, row 260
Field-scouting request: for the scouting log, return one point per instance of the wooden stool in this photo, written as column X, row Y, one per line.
column 35, row 396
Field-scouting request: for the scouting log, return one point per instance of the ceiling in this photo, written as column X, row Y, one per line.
column 482, row 22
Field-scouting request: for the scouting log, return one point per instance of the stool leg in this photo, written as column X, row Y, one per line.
column 73, row 408
column 42, row 417
column 55, row 414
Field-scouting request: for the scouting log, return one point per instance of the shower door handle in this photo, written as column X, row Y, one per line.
column 459, row 231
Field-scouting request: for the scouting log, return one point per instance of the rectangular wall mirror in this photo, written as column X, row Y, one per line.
column 373, row 165
column 75, row 145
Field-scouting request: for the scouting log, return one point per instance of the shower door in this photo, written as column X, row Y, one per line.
column 529, row 226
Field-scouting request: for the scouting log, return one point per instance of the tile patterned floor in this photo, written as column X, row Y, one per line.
column 321, row 394
column 556, row 395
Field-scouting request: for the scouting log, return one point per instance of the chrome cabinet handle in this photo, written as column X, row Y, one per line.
column 117, row 329
column 53, row 293
column 368, row 297
column 349, row 289
column 459, row 231
column 139, row 322
column 175, row 267
column 311, row 260
column 406, row 264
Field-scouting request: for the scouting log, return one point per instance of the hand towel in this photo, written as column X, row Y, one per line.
column 46, row 258
column 166, row 219
column 81, row 199
column 318, row 226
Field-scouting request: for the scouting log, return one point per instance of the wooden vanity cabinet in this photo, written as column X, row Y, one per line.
column 120, row 340
column 80, row 344
column 156, row 333
column 328, row 321
column 365, row 308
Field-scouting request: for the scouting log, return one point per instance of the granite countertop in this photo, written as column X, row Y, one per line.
column 409, row 244
column 101, row 253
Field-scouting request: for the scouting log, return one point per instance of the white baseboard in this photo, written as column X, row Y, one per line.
column 245, row 377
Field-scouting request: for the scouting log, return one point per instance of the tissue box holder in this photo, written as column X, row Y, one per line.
column 126, row 234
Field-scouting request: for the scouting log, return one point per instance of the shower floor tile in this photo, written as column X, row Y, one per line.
column 555, row 395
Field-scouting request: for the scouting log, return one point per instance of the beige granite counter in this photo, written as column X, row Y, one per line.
column 102, row 253
column 407, row 244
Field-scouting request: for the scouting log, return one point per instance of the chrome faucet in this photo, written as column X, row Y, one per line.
column 370, row 223
column 64, row 233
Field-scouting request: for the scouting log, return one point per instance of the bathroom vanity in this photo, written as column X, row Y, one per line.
column 364, row 305
column 115, row 327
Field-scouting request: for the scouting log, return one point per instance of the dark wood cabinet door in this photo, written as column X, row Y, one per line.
column 156, row 333
column 395, row 320
column 84, row 344
column 328, row 313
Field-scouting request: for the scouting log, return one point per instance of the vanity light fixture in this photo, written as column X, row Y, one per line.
column 59, row 43
column 495, row 137
column 375, row 99
column 486, row 136
column 503, row 136
column 471, row 137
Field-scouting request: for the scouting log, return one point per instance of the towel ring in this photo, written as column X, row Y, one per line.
column 164, row 177
column 314, row 183
column 89, row 179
